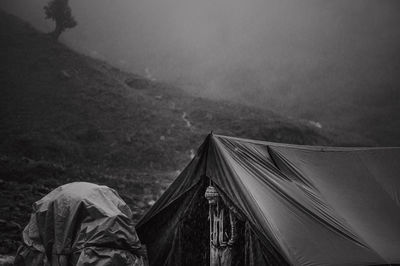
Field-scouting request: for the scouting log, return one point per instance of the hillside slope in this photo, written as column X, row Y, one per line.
column 66, row 117
column 63, row 106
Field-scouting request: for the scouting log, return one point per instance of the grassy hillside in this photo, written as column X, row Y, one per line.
column 66, row 117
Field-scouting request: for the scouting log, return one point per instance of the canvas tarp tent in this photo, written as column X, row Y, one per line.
column 301, row 205
column 80, row 224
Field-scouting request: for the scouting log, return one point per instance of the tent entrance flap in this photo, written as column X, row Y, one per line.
column 281, row 204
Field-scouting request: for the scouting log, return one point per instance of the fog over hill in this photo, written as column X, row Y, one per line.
column 335, row 62
column 67, row 117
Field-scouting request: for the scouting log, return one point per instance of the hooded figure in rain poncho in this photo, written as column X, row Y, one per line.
column 80, row 224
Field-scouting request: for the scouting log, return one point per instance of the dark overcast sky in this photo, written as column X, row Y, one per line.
column 256, row 49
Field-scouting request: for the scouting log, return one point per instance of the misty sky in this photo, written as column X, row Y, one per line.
column 265, row 52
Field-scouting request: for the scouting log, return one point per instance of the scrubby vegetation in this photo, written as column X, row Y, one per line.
column 67, row 117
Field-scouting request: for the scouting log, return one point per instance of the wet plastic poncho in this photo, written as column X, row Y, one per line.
column 302, row 205
column 80, row 224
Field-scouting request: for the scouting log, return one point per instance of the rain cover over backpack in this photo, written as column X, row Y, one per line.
column 80, row 224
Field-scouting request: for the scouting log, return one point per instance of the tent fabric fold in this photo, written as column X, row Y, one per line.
column 302, row 205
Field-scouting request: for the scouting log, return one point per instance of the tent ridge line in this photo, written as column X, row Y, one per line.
column 308, row 147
